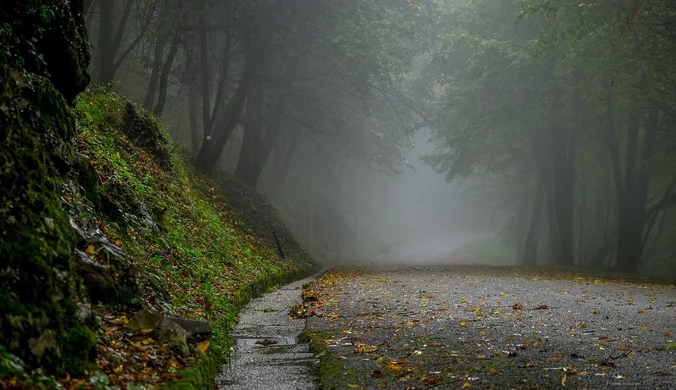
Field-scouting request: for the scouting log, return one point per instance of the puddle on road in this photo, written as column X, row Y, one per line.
column 265, row 341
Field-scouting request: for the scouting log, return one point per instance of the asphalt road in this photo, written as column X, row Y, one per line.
column 459, row 327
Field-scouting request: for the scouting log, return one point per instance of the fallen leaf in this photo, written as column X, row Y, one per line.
column 563, row 380
column 91, row 250
column 466, row 385
column 377, row 374
column 517, row 306
column 203, row 346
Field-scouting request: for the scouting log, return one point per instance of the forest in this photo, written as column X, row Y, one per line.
column 179, row 158
column 560, row 110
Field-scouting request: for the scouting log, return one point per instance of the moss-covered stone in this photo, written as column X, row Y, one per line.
column 43, row 59
column 48, row 38
column 38, row 289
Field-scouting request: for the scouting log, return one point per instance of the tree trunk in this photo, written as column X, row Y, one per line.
column 531, row 246
column 106, row 56
column 553, row 227
column 283, row 157
column 209, row 152
column 206, row 77
column 632, row 210
column 563, row 173
column 164, row 78
column 222, row 80
column 247, row 169
column 109, row 41
column 192, row 113
column 259, row 145
column 158, row 58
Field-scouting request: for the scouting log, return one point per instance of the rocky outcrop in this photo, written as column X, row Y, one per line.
column 170, row 330
column 43, row 66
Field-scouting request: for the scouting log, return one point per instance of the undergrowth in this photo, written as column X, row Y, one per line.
column 184, row 250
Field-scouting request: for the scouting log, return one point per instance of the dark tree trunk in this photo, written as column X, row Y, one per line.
column 247, row 168
column 563, row 174
column 164, row 78
column 257, row 146
column 532, row 238
column 158, row 58
column 108, row 40
column 206, row 76
column 106, row 56
column 222, row 81
column 192, row 113
column 553, row 227
column 282, row 161
column 209, row 152
column 144, row 29
column 632, row 210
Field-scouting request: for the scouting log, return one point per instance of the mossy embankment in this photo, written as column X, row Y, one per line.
column 101, row 215
column 152, row 231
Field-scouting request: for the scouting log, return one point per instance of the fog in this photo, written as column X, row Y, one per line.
column 553, row 123
column 426, row 219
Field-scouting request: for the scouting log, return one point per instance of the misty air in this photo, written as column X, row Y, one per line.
column 337, row 194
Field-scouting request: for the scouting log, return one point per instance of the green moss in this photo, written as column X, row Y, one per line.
column 47, row 38
column 38, row 242
column 79, row 348
column 178, row 227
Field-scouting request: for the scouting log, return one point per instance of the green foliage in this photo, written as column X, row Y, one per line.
column 193, row 254
column 539, row 93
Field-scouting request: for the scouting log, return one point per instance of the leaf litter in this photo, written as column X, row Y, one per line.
column 389, row 323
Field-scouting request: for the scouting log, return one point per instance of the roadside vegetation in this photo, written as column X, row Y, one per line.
column 172, row 242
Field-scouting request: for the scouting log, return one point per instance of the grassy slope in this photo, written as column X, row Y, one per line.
column 189, row 252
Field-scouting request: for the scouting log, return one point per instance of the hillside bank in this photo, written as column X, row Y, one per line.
column 102, row 216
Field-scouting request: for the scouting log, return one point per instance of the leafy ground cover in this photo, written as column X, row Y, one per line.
column 159, row 235
column 489, row 327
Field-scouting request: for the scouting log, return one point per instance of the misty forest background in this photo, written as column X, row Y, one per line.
column 556, row 119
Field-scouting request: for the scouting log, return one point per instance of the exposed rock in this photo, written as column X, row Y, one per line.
column 166, row 330
column 171, row 333
column 144, row 319
column 46, row 341
column 97, row 279
column 54, row 46
column 195, row 328
column 145, row 133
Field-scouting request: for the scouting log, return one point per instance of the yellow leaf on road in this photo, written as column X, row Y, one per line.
column 91, row 250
